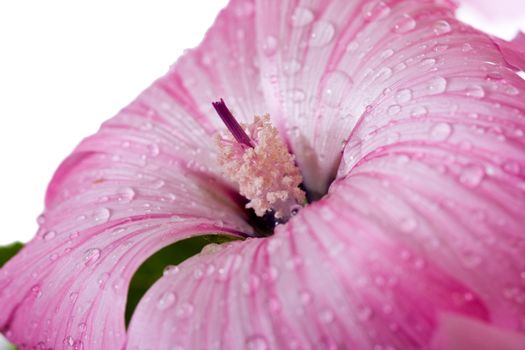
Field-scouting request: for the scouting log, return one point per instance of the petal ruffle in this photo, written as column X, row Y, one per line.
column 327, row 279
column 334, row 63
column 147, row 179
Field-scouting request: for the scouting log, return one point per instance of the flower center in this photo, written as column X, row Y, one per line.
column 256, row 157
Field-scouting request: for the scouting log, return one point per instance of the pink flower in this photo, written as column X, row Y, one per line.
column 408, row 129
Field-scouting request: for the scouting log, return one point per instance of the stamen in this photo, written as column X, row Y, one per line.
column 265, row 170
column 231, row 123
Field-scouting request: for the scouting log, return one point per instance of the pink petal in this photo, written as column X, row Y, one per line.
column 460, row 333
column 326, row 279
column 148, row 178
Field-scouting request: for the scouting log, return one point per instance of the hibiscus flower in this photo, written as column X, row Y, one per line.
column 407, row 130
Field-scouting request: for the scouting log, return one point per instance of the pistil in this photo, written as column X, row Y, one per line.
column 256, row 157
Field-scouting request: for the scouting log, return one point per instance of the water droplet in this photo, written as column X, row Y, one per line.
column 118, row 284
column 472, row 175
column 470, row 259
column 170, row 270
column 387, row 53
column 101, row 215
column 305, row 297
column 297, row 95
column 476, row 91
column 322, row 33
column 353, row 46
column 270, row 45
column 49, row 235
column 408, row 224
column 166, row 300
column 157, row 184
column 69, row 341
column 91, row 256
column 419, row 112
column 384, row 73
column 41, row 219
column 441, row 27
column 337, row 85
column 376, row 10
column 244, row 9
column 185, row 310
column 326, row 316
column 292, row 67
column 437, row 85
column 466, row 47
column 511, row 90
column 404, row 24
column 154, row 149
column 126, row 194
column 404, row 96
column 393, row 110
column 102, row 279
column 73, row 296
column 364, row 313
column 302, row 17
column 440, row 131
column 256, row 342
column 512, row 167
column 427, row 62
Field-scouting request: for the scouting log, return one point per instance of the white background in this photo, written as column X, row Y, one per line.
column 67, row 65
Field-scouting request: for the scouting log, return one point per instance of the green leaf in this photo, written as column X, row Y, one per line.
column 7, row 252
column 151, row 270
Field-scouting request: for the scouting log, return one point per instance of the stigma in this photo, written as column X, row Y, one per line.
column 257, row 159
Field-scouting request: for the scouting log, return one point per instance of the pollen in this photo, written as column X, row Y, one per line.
column 260, row 163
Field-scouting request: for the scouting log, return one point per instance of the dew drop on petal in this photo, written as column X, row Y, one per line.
column 475, row 91
column 91, row 256
column 437, row 85
column 256, row 342
column 270, row 45
column 511, row 90
column 126, row 194
column 440, row 131
column 466, row 47
column 387, row 53
column 419, row 112
column 472, row 175
column 170, row 270
column 384, row 73
column 101, row 215
column 512, row 167
column 297, row 95
column 337, row 85
column 322, row 34
column 49, row 235
column 427, row 62
column 376, row 10
column 185, row 310
column 393, row 110
column 166, row 300
column 302, row 17
column 364, row 313
column 326, row 316
column 404, row 96
column 441, row 27
column 291, row 67
column 404, row 24
column 408, row 225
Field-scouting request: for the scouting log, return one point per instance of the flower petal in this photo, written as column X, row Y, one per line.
column 339, row 68
column 460, row 333
column 147, row 179
column 329, row 278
